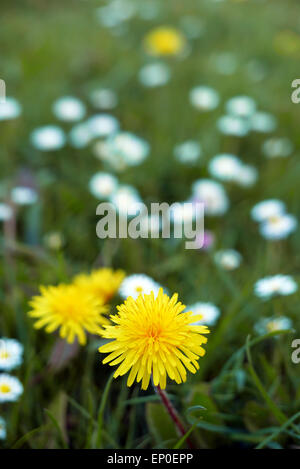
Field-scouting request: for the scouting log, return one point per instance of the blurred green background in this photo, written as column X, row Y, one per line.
column 57, row 48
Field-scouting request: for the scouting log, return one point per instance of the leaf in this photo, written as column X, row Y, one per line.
column 101, row 410
column 185, row 437
column 278, row 414
column 160, row 423
column 20, row 442
column 56, row 425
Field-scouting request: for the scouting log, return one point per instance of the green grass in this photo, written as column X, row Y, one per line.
column 251, row 394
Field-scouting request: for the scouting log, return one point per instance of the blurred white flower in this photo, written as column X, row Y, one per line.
column 209, row 312
column 6, row 212
column 103, row 185
column 225, row 167
column 247, row 175
column 267, row 209
column 263, row 122
column 47, row 138
column 268, row 287
column 125, row 199
column 2, row 429
column 233, row 125
column 241, row 106
column 11, row 354
column 69, row 109
column 115, row 13
column 104, row 98
column 124, row 149
column 54, row 240
column 228, row 259
column 273, row 324
column 137, row 284
column 10, row 388
column 277, row 147
column 188, row 152
column 9, row 109
column 80, row 135
column 204, row 98
column 278, row 226
column 102, row 125
column 212, row 194
column 23, row 195
column 155, row 74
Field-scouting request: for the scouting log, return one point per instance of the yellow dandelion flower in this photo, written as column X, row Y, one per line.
column 102, row 283
column 70, row 309
column 164, row 41
column 152, row 336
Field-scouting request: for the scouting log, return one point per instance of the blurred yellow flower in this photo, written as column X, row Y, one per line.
column 102, row 283
column 70, row 309
column 152, row 336
column 164, row 41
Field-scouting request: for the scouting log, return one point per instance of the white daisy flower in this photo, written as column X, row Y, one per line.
column 277, row 147
column 155, row 74
column 134, row 150
column 247, row 175
column 10, row 388
column 233, row 125
column 10, row 109
column 229, row 259
column 11, row 352
column 204, row 98
column 80, row 135
column 209, row 312
column 23, row 195
column 278, row 226
column 6, row 212
column 104, row 98
column 212, row 194
column 69, row 109
column 103, row 185
column 273, row 324
column 126, row 199
column 241, row 106
column 267, row 209
column 102, row 125
column 263, row 122
column 225, row 167
column 268, row 287
column 123, row 149
column 2, row 429
column 188, row 152
column 115, row 13
column 137, row 284
column 47, row 138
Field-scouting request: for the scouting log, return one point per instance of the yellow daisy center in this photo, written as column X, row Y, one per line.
column 4, row 388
